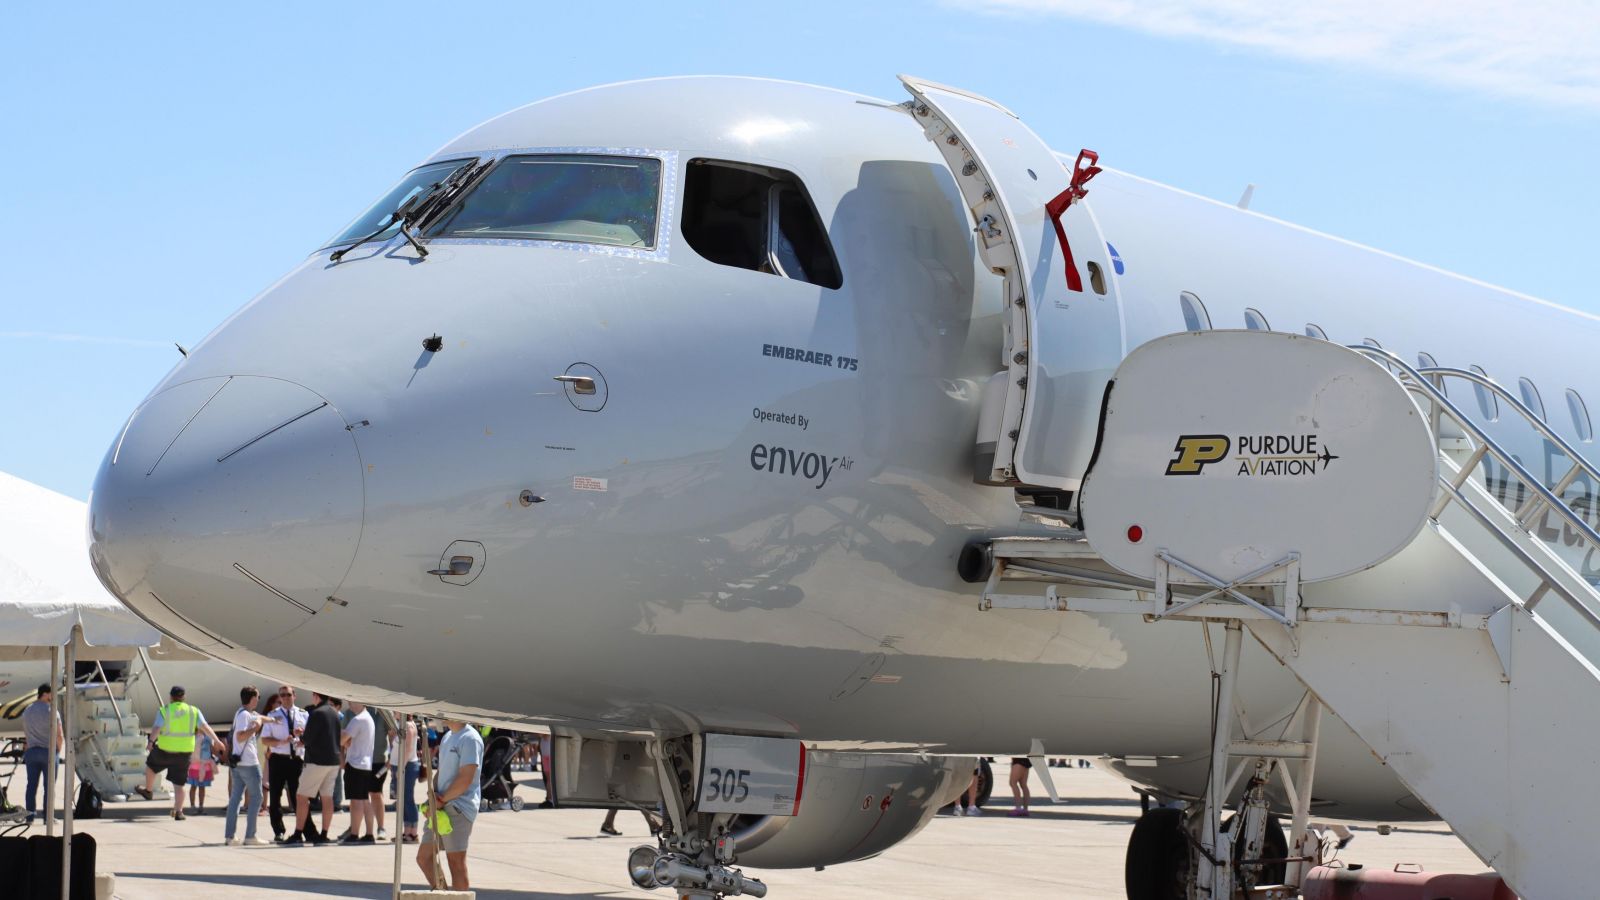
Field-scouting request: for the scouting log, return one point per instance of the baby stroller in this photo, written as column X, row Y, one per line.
column 12, row 818
column 495, row 777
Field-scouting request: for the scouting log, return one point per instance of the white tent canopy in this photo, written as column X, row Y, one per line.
column 46, row 583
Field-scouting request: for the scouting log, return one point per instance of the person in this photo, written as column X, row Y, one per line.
column 403, row 753
column 37, row 722
column 460, row 756
column 202, row 769
column 285, row 756
column 357, row 742
column 380, row 772
column 246, row 777
column 1019, row 786
column 967, row 804
column 172, row 740
column 338, row 777
column 610, row 825
column 321, row 741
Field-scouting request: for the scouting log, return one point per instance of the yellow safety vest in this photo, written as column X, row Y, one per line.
column 179, row 722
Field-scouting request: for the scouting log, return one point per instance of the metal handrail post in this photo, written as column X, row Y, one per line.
column 71, row 762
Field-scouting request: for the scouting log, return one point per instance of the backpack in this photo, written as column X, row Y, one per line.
column 89, row 804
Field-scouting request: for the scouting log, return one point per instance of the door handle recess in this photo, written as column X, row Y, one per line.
column 582, row 384
column 459, row 565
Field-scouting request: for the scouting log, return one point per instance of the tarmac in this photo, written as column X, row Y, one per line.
column 1071, row 849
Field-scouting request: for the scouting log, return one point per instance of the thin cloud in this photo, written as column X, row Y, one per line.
column 69, row 337
column 1542, row 50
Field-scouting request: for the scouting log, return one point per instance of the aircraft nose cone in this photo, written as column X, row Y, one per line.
column 230, row 509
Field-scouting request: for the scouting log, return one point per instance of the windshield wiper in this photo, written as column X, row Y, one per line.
column 421, row 207
column 401, row 214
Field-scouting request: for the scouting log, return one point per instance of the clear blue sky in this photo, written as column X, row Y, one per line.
column 164, row 166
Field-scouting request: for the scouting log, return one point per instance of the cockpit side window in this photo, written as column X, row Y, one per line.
column 757, row 218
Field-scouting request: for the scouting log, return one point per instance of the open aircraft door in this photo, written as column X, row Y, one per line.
column 1063, row 322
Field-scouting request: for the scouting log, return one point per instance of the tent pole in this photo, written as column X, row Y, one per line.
column 398, row 760
column 72, row 761
column 50, row 769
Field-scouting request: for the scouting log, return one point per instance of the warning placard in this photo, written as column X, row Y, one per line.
column 585, row 483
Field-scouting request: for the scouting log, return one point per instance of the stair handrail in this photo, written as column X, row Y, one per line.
column 1579, row 462
column 1487, row 446
column 122, row 730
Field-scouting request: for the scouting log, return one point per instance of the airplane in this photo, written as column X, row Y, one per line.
column 400, row 473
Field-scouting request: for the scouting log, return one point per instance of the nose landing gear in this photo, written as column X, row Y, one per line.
column 695, row 851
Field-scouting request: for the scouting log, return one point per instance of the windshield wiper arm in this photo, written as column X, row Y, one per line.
column 400, row 215
column 423, row 206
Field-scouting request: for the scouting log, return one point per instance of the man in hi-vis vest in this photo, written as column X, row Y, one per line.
column 171, row 744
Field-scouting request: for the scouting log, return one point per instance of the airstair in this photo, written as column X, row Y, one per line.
column 110, row 750
column 1348, row 527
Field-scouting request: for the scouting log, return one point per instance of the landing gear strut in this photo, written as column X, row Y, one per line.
column 1195, row 853
column 695, row 851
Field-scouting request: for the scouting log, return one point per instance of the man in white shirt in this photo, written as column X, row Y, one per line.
column 286, row 756
column 357, row 742
column 246, row 776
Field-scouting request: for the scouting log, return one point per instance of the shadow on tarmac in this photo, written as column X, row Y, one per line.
column 335, row 888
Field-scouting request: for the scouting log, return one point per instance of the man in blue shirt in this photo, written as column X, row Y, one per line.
column 37, row 723
column 460, row 756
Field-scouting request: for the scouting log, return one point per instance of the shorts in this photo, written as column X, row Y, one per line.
column 376, row 778
column 1022, row 761
column 174, row 762
column 357, row 783
column 201, row 772
column 460, row 831
column 316, row 781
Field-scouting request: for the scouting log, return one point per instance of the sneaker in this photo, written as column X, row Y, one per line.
column 1017, row 813
column 277, row 837
column 179, row 816
column 144, row 792
column 253, row 842
column 349, row 839
column 975, row 811
column 383, row 835
column 317, row 838
column 369, row 839
column 958, row 810
column 231, row 842
column 296, row 838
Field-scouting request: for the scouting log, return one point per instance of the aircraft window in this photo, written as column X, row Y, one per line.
column 581, row 198
column 1426, row 361
column 1195, row 317
column 753, row 217
column 1580, row 416
column 1316, row 332
column 1530, row 397
column 1097, row 278
column 416, row 182
column 1255, row 321
column 1487, row 403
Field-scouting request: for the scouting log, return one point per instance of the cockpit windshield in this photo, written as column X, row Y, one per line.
column 580, row 198
column 419, row 181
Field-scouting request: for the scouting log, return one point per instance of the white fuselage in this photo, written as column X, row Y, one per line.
column 699, row 560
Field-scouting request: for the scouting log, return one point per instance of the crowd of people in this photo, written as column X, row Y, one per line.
column 318, row 756
column 329, row 752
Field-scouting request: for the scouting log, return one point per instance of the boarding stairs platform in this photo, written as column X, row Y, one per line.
column 110, row 750
column 1331, row 503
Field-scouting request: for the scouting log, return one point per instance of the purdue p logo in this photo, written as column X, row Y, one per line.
column 1195, row 451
